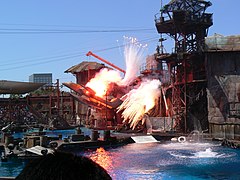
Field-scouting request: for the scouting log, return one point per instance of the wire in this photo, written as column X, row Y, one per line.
column 62, row 57
column 10, row 62
column 43, row 62
column 58, row 31
column 57, row 25
column 38, row 58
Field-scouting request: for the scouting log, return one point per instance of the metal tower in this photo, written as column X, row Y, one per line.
column 187, row 23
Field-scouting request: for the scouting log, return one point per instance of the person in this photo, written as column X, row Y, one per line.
column 63, row 166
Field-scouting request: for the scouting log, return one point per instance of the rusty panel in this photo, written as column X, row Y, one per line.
column 222, row 43
column 237, row 132
column 217, row 130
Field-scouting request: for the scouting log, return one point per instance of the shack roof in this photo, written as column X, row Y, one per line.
column 84, row 66
column 222, row 43
column 16, row 87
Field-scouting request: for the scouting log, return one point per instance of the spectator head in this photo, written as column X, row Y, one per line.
column 61, row 166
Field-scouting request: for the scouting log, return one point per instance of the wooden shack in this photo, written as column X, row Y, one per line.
column 223, row 89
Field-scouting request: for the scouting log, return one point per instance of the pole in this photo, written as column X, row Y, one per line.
column 106, row 107
column 185, row 97
column 58, row 96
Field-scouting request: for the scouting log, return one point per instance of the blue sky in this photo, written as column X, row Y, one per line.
column 23, row 52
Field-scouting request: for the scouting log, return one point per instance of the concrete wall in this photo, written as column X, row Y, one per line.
column 162, row 123
column 223, row 92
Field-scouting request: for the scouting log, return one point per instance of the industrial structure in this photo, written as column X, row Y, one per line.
column 203, row 88
column 187, row 23
column 200, row 89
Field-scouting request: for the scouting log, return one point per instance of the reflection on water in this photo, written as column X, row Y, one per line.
column 169, row 161
column 159, row 161
column 102, row 157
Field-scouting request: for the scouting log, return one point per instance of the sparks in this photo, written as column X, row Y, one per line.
column 139, row 101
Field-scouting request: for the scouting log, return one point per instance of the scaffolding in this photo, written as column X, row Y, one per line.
column 187, row 23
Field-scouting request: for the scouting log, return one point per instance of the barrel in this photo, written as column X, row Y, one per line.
column 95, row 135
column 106, row 135
column 43, row 141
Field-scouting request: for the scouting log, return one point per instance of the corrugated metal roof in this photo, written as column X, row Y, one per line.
column 84, row 66
column 223, row 43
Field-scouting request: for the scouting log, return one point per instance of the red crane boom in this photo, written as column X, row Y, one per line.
column 105, row 61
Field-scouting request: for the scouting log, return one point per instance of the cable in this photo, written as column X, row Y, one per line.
column 64, row 57
column 57, row 25
column 43, row 62
column 57, row 31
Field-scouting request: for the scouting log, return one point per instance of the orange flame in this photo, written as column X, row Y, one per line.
column 101, row 81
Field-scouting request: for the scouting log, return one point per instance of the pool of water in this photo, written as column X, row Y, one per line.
column 170, row 161
column 158, row 161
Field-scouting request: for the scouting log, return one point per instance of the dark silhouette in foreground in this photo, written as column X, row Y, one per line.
column 63, row 166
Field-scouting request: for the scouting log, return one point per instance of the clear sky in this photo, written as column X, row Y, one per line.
column 52, row 35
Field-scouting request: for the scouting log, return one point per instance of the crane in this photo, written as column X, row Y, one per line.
column 105, row 61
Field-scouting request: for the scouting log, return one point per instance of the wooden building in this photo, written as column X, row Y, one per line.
column 223, row 89
column 83, row 72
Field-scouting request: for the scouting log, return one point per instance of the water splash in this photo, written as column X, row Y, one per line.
column 134, row 56
column 208, row 153
column 195, row 136
column 190, row 145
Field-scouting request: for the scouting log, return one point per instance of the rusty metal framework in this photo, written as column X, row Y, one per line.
column 187, row 23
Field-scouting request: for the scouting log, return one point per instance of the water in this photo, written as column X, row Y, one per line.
column 55, row 133
column 12, row 167
column 158, row 161
column 170, row 161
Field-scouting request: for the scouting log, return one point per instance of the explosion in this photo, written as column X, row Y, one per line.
column 101, row 81
column 137, row 101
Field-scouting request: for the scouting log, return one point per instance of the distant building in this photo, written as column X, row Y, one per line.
column 41, row 78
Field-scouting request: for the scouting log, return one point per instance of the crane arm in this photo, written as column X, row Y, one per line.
column 105, row 61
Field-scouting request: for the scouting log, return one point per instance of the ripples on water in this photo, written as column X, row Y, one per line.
column 11, row 168
column 169, row 161
column 159, row 161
